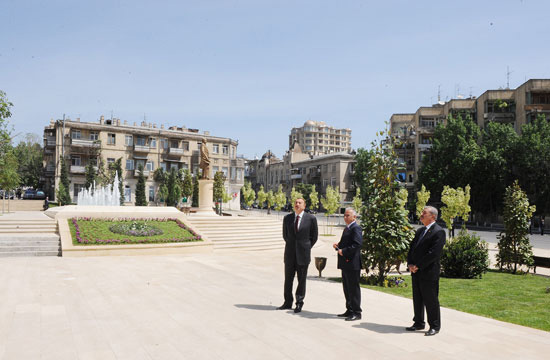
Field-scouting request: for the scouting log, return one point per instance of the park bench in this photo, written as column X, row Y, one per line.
column 541, row 261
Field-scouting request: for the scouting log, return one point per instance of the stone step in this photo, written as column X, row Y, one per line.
column 27, row 226
column 9, row 242
column 29, row 248
column 256, row 231
column 27, row 231
column 250, row 247
column 27, row 222
column 246, row 239
column 29, row 253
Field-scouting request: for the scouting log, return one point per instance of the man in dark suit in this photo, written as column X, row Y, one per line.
column 300, row 234
column 349, row 261
column 423, row 263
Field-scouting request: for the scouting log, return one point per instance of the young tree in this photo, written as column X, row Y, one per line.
column 174, row 189
column 187, row 185
column 219, row 188
column 305, row 190
column 5, row 113
column 357, row 202
column 262, row 196
column 116, row 168
column 141, row 199
column 314, row 199
column 457, row 204
column 163, row 193
column 422, row 199
column 90, row 176
column 331, row 203
column 514, row 247
column 159, row 176
column 195, row 191
column 9, row 178
column 295, row 195
column 249, row 195
column 270, row 200
column 386, row 229
column 280, row 198
column 63, row 193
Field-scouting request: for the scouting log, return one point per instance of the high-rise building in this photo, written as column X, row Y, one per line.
column 317, row 138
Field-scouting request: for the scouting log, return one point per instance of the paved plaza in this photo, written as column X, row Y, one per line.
column 222, row 306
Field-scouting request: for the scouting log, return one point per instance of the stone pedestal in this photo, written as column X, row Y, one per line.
column 206, row 190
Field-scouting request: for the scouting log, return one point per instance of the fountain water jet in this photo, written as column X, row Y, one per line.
column 103, row 196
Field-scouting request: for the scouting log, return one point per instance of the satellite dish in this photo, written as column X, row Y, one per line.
column 441, row 102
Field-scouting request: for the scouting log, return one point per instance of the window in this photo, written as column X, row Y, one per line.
column 151, row 193
column 76, row 134
column 77, row 188
column 324, row 167
column 174, row 166
column 333, row 181
column 174, row 144
column 75, row 160
column 164, row 143
column 216, row 149
column 185, row 145
column 111, row 139
column 233, row 173
column 140, row 141
column 127, row 194
column 94, row 135
column 233, row 152
column 184, row 166
column 150, row 166
column 128, row 140
column 140, row 163
column 239, row 174
column 333, row 167
column 225, row 150
column 163, row 166
column 325, row 183
column 225, row 171
column 110, row 161
column 129, row 164
column 153, row 143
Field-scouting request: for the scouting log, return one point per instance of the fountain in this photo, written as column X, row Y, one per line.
column 103, row 196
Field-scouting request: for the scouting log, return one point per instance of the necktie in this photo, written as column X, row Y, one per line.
column 296, row 223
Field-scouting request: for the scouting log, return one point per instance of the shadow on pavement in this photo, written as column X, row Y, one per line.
column 255, row 307
column 382, row 328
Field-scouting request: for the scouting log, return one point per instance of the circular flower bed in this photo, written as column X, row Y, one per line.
column 135, row 228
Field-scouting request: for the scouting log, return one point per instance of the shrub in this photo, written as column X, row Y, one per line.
column 465, row 256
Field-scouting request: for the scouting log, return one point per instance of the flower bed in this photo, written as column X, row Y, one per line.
column 87, row 231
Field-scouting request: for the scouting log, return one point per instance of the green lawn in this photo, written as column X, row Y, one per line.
column 518, row 299
column 87, row 231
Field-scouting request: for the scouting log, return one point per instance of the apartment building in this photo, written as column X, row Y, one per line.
column 81, row 143
column 413, row 132
column 317, row 138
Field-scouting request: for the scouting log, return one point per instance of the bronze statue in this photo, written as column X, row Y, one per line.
column 205, row 161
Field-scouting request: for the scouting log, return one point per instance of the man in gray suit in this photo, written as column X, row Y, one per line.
column 300, row 233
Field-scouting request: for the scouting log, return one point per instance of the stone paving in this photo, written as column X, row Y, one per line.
column 222, row 306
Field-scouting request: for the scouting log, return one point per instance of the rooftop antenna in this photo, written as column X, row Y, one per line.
column 470, row 91
column 438, row 93
column 508, row 72
column 111, row 114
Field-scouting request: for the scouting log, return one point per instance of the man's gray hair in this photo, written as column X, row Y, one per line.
column 431, row 210
column 352, row 211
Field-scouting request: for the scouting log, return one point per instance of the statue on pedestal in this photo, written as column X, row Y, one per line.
column 205, row 160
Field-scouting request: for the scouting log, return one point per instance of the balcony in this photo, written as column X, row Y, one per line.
column 78, row 169
column 50, row 141
column 141, row 148
column 537, row 107
column 424, row 147
column 237, row 162
column 507, row 117
column 426, row 129
column 295, row 176
column 48, row 151
column 146, row 173
column 175, row 151
column 50, row 169
column 85, row 143
column 315, row 173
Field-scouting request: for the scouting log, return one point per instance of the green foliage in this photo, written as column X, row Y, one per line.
column 163, row 193
column 514, row 248
column 331, row 200
column 389, row 281
column 357, row 202
column 422, row 199
column 195, row 191
column 314, row 198
column 9, row 178
column 386, row 229
column 295, row 195
column 305, row 190
column 63, row 195
column 90, row 176
column 174, row 189
column 219, row 188
column 270, row 200
column 457, row 204
column 5, row 113
column 262, row 196
column 141, row 199
column 116, row 168
column 280, row 198
column 135, row 228
column 30, row 155
column 249, row 195
column 466, row 256
column 187, row 185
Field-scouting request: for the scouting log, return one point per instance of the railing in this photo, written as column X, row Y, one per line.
column 424, row 146
column 295, row 176
column 146, row 173
column 175, row 151
column 85, row 143
column 77, row 169
column 50, row 140
column 141, row 148
column 50, row 168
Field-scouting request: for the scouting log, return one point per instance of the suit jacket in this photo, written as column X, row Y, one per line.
column 298, row 244
column 425, row 253
column 350, row 243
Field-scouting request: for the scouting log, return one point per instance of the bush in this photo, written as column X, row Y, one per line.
column 465, row 256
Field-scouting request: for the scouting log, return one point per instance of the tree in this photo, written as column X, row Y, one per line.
column 90, row 176
column 163, row 193
column 63, row 193
column 219, row 188
column 116, row 168
column 270, row 200
column 280, row 198
column 305, row 190
column 9, row 178
column 187, row 185
column 262, row 196
column 30, row 155
column 141, row 199
column 422, row 199
column 249, row 195
column 195, row 191
column 513, row 245
column 174, row 189
column 5, row 113
column 159, row 176
column 357, row 202
column 330, row 202
column 295, row 195
column 457, row 204
column 314, row 198
column 386, row 229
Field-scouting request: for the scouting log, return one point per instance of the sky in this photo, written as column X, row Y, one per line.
column 251, row 70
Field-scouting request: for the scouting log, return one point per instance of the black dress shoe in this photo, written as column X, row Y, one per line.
column 346, row 314
column 284, row 307
column 415, row 328
column 298, row 308
column 431, row 332
column 353, row 317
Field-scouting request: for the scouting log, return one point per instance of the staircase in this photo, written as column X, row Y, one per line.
column 28, row 237
column 240, row 232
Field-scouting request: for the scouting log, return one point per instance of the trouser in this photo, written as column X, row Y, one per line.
column 300, row 271
column 425, row 294
column 352, row 290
